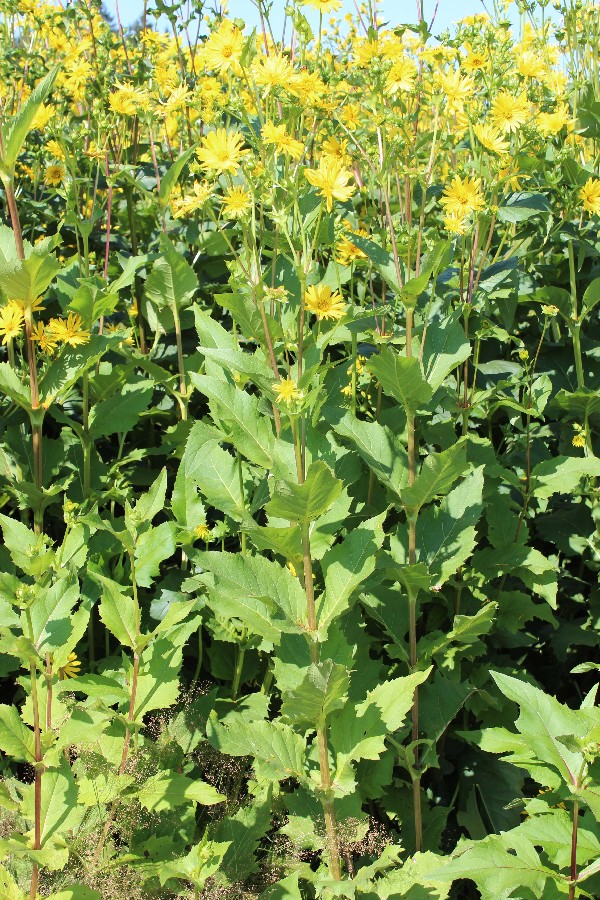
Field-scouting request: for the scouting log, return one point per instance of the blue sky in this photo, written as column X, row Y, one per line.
column 395, row 11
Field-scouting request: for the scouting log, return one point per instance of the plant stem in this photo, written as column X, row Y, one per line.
column 573, row 884
column 180, row 363
column 576, row 325
column 39, row 768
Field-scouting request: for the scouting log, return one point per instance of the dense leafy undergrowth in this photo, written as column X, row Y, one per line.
column 298, row 593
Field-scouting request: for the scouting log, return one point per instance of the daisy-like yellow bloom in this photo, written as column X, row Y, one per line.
column 590, row 195
column 54, row 175
column 457, row 88
column 202, row 532
column 32, row 306
column 69, row 331
column 94, row 151
column 223, row 49
column 128, row 100
column 455, row 223
column 336, row 150
column 530, row 65
column 579, row 438
column 71, row 669
column 222, row 151
column 287, row 391
column 324, row 303
column 272, row 71
column 347, row 253
column 55, row 150
column 331, row 179
column 401, row 76
column 554, row 122
column 324, row 6
column 42, row 117
column 508, row 113
column 475, row 61
column 365, row 51
column 236, row 201
column 278, row 137
column 11, row 321
column 462, row 197
column 46, row 340
column 491, row 138
column 195, row 199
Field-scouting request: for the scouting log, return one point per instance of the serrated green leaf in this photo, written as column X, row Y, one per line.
column 117, row 611
column 379, row 449
column 16, row 739
column 445, row 348
column 438, row 474
column 562, row 475
column 20, row 124
column 11, row 385
column 401, row 377
column 51, row 615
column 276, row 747
column 157, row 544
column 321, row 691
column 168, row 790
column 305, row 502
column 172, row 281
column 118, row 415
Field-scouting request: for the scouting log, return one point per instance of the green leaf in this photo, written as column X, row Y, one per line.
column 169, row 179
column 438, row 474
column 562, row 475
column 249, row 430
column 382, row 259
column 152, row 502
column 167, row 790
column 445, row 348
column 543, row 721
column 16, row 739
column 118, row 415
column 27, row 279
column 523, row 205
column 322, row 690
column 244, row 831
column 401, row 377
column 117, row 611
column 379, row 449
column 305, row 502
column 276, row 748
column 27, row 550
column 220, row 481
column 59, row 802
column 172, row 282
column 446, row 533
column 11, row 385
column 265, row 596
column 20, row 124
column 591, row 297
column 156, row 545
column 51, row 615
column 76, row 892
column 287, row 889
column 346, row 566
column 72, row 363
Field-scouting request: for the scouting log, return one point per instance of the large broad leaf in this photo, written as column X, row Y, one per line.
column 322, row 690
column 59, row 802
column 438, row 474
column 118, row 415
column 172, row 282
column 167, row 790
column 150, row 503
column 248, row 428
column 278, row 750
column 265, row 596
column 496, row 870
column 27, row 279
column 16, row 739
column 117, row 611
column 379, row 448
column 73, row 362
column 20, row 124
column 523, row 205
column 445, row 348
column 591, row 297
column 402, row 378
column 562, row 475
column 13, row 387
column 156, row 545
column 244, row 831
column 287, row 889
column 51, row 615
column 545, row 723
column 169, row 179
column 28, row 550
column 446, row 533
column 305, row 502
column 345, row 568
column 219, row 481
column 382, row 259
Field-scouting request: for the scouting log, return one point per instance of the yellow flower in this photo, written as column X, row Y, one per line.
column 457, row 88
column 287, row 391
column 42, row 117
column 578, row 440
column 324, row 6
column 273, row 71
column 508, row 113
column 11, row 321
column 277, row 136
column 554, row 122
column 455, row 223
column 46, row 340
column 71, row 669
column 55, row 150
column 462, row 196
column 221, row 151
column 475, row 61
column 324, row 303
column 336, row 150
column 202, row 532
column 183, row 206
column 236, row 201
column 590, row 194
column 550, row 310
column 331, row 178
column 491, row 138
column 69, row 331
column 54, row 175
column 401, row 76
column 128, row 101
column 530, row 65
column 223, row 49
